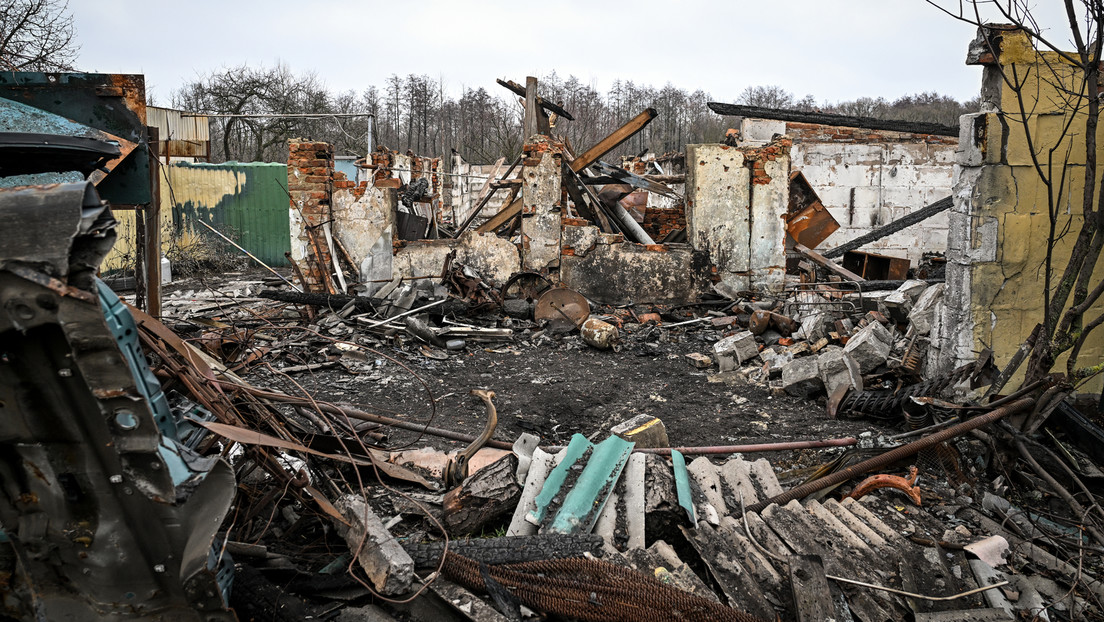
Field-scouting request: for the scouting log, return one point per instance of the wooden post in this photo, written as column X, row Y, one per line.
column 531, row 127
column 153, row 228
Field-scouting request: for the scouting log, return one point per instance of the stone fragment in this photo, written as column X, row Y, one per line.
column 814, row 326
column 644, row 430
column 875, row 301
column 801, row 377
column 383, row 559
column 922, row 315
column 901, row 300
column 776, row 358
column 837, row 367
column 870, row 346
column 699, row 360
column 732, row 352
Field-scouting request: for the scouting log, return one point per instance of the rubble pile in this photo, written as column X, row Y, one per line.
column 930, row 532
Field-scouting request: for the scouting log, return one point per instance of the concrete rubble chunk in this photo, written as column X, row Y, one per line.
column 383, row 559
column 838, row 367
column 776, row 357
column 875, row 301
column 699, row 360
column 644, row 430
column 870, row 346
column 732, row 352
column 901, row 300
column 815, row 326
column 922, row 315
column 801, row 377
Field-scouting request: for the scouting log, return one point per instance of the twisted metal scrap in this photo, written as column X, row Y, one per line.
column 888, row 403
column 906, row 485
column 589, row 589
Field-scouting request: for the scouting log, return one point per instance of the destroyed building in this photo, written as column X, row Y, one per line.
column 730, row 383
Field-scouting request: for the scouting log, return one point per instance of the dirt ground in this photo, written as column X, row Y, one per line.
column 564, row 386
column 552, row 386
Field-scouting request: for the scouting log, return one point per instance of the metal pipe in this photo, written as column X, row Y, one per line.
column 361, row 415
column 893, row 455
column 711, row 450
column 406, row 313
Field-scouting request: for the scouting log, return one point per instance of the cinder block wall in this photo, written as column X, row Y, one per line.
column 868, row 178
column 999, row 222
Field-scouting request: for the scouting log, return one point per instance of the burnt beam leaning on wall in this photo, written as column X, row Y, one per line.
column 903, row 222
column 609, row 143
column 823, row 118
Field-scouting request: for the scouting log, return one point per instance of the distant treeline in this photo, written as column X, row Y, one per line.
column 416, row 113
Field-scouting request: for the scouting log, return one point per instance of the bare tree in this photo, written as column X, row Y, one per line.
column 36, row 35
column 1070, row 291
column 769, row 96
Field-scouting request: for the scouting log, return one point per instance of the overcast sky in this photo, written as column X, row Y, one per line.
column 832, row 49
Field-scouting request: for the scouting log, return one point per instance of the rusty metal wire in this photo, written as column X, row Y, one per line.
column 593, row 590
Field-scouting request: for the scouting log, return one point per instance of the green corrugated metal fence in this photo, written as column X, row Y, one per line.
column 247, row 201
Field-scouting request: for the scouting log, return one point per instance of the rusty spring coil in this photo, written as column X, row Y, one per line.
column 590, row 589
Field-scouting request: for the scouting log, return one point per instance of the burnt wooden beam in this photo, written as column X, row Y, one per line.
column 827, row 264
column 609, row 143
column 901, row 223
column 839, row 120
column 519, row 90
column 502, row 217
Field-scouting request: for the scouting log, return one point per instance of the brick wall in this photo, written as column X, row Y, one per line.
column 310, row 182
column 658, row 222
column 830, row 133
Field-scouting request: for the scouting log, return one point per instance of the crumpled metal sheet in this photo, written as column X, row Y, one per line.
column 108, row 516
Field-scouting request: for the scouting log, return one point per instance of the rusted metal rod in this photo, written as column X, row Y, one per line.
column 354, row 413
column 710, row 450
column 893, row 455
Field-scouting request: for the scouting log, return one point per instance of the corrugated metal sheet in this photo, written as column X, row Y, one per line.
column 247, row 202
column 179, row 136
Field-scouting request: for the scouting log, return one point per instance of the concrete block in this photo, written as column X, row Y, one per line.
column 776, row 358
column 870, row 346
column 815, row 326
column 801, row 377
column 922, row 315
column 383, row 559
column 644, row 430
column 838, row 367
column 900, row 301
column 699, row 360
column 875, row 301
column 732, row 352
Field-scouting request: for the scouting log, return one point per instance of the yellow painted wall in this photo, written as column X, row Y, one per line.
column 1007, row 286
column 206, row 186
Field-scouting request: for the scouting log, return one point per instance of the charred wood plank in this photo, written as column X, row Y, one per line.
column 507, row 550
column 897, row 225
column 335, row 302
column 826, row 263
column 838, row 120
column 519, row 90
column 502, row 217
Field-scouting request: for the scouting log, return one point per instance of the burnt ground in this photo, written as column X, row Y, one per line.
column 563, row 386
column 549, row 385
